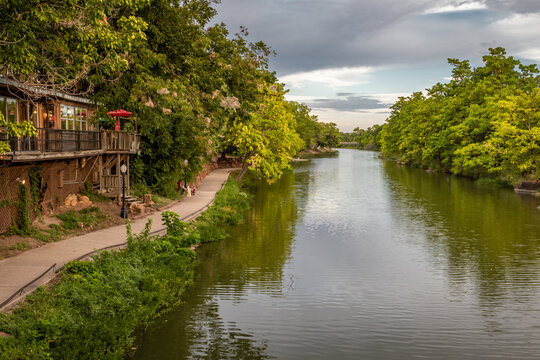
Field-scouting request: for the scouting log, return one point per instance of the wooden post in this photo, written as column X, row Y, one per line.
column 128, row 181
column 100, row 167
column 119, row 174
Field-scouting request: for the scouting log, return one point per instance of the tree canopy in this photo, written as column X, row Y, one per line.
column 483, row 122
column 196, row 89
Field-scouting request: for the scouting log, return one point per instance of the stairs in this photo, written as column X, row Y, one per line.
column 131, row 200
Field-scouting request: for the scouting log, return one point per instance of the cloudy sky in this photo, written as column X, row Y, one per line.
column 350, row 59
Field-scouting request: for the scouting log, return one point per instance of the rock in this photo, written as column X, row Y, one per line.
column 84, row 200
column 147, row 200
column 71, row 200
column 137, row 208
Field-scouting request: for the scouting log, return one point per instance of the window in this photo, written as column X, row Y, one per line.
column 48, row 115
column 8, row 108
column 81, row 119
column 11, row 107
column 3, row 106
column 67, row 117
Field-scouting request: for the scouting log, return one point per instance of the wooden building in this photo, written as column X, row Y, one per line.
column 67, row 152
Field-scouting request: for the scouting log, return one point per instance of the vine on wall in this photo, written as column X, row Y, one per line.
column 27, row 201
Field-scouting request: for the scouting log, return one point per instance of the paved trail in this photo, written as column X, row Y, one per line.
column 17, row 271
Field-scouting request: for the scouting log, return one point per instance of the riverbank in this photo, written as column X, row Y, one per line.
column 306, row 154
column 105, row 300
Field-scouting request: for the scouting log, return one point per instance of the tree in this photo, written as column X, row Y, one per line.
column 268, row 141
column 67, row 46
column 483, row 122
column 328, row 135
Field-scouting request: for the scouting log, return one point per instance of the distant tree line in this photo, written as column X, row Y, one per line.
column 483, row 123
column 196, row 90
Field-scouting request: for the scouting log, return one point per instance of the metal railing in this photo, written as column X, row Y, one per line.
column 57, row 141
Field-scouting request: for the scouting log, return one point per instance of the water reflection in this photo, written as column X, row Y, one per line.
column 351, row 257
column 248, row 264
column 485, row 239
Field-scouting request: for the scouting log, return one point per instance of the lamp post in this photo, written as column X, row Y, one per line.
column 123, row 212
column 186, row 163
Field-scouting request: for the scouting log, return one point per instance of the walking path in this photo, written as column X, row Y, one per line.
column 22, row 274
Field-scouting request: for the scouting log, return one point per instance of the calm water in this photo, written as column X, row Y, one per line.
column 351, row 257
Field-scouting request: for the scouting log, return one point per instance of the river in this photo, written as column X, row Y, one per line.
column 353, row 257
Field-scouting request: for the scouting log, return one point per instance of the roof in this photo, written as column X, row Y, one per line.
column 45, row 92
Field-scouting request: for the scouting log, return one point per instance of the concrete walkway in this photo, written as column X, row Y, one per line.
column 22, row 274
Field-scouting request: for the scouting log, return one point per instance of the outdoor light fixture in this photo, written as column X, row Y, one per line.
column 123, row 212
column 186, row 162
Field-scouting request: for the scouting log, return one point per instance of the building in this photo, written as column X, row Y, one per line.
column 67, row 152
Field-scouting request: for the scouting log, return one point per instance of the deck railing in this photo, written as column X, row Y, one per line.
column 58, row 141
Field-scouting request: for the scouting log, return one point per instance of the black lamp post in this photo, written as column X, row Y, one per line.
column 123, row 212
column 186, row 162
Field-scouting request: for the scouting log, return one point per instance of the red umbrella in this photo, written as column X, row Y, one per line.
column 119, row 112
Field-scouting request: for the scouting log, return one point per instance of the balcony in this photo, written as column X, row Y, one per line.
column 50, row 144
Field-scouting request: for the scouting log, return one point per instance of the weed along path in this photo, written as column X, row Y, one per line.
column 22, row 274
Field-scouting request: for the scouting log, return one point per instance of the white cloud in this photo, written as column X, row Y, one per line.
column 531, row 54
column 519, row 24
column 460, row 6
column 388, row 98
column 333, row 78
column 347, row 121
column 301, row 98
column 520, row 32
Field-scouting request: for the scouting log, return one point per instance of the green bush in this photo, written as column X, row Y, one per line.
column 91, row 194
column 94, row 310
column 228, row 209
column 86, row 217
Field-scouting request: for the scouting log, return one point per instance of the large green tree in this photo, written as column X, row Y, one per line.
column 67, row 46
column 483, row 122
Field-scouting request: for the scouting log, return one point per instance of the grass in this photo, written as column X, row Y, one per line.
column 91, row 194
column 94, row 309
column 494, row 182
column 88, row 217
column 72, row 223
column 19, row 246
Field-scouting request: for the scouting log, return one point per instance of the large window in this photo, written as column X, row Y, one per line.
column 8, row 107
column 67, row 116
column 48, row 115
column 81, row 119
column 73, row 118
column 11, row 106
column 3, row 106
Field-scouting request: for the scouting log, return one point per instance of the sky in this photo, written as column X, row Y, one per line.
column 349, row 60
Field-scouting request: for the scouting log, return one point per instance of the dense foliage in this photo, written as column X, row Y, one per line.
column 193, row 87
column 367, row 139
column 95, row 308
column 14, row 130
column 483, row 123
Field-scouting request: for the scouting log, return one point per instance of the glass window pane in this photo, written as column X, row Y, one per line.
column 80, row 117
column 34, row 115
column 71, row 117
column 48, row 116
column 3, row 106
column 64, row 116
column 11, row 110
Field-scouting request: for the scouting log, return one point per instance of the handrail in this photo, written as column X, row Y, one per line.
column 49, row 140
column 20, row 291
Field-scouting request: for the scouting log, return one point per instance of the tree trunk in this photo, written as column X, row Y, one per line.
column 242, row 172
